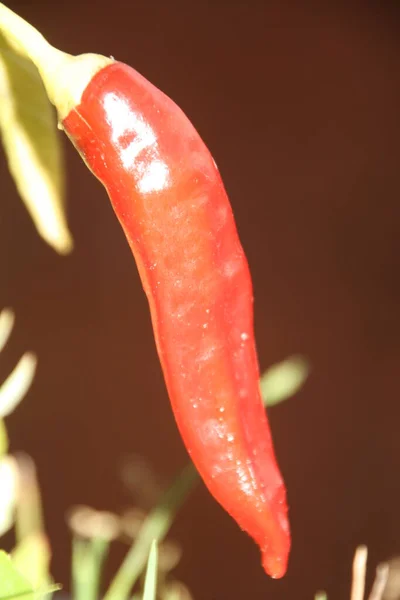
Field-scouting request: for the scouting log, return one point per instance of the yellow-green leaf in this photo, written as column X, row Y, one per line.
column 32, row 146
column 12, row 583
column 3, row 438
column 283, row 380
column 32, row 559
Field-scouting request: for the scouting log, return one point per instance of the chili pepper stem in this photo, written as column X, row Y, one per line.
column 64, row 76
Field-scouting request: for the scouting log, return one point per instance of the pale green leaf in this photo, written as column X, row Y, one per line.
column 8, row 492
column 7, row 319
column 14, row 388
column 32, row 146
column 283, row 380
column 28, row 509
column 150, row 582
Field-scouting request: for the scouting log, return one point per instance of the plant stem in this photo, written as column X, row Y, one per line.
column 88, row 557
column 155, row 527
column 65, row 77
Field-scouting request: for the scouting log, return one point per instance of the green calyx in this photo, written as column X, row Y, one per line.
column 64, row 76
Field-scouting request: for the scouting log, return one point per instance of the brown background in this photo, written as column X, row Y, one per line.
column 299, row 103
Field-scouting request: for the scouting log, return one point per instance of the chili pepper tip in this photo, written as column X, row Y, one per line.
column 274, row 566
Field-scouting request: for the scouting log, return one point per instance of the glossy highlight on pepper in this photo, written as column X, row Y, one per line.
column 169, row 198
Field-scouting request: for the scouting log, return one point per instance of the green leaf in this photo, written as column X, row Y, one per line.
column 283, row 380
column 32, row 146
column 3, row 439
column 150, row 582
column 32, row 559
column 154, row 527
column 12, row 583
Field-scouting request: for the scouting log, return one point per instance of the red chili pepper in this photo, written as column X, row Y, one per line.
column 169, row 198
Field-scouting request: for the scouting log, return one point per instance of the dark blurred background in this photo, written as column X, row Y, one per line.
column 299, row 104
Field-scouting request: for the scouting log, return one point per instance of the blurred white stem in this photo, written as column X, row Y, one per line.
column 359, row 570
column 381, row 577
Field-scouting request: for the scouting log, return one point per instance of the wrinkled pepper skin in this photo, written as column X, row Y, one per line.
column 169, row 198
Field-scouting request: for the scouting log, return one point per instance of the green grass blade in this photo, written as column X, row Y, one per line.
column 150, row 582
column 88, row 557
column 155, row 527
column 92, row 533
